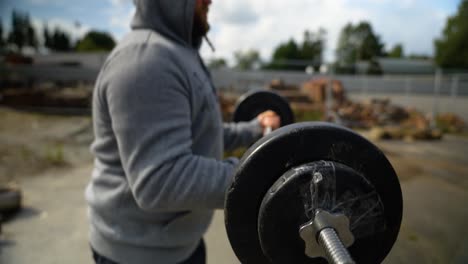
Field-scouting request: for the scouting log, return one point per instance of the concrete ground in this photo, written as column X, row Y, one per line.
column 434, row 181
column 52, row 227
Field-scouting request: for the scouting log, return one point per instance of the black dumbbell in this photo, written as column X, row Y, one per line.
column 253, row 103
column 312, row 192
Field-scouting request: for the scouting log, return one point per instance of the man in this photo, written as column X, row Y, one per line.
column 159, row 141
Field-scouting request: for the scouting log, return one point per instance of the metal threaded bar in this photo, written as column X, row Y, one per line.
column 334, row 248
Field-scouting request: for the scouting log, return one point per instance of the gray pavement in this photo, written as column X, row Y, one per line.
column 434, row 181
column 52, row 227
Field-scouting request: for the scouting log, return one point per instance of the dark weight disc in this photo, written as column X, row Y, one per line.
column 250, row 105
column 269, row 158
column 336, row 188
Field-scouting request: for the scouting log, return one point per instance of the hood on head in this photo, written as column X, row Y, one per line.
column 170, row 18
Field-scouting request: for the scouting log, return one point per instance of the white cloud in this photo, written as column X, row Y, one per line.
column 76, row 31
column 119, row 2
column 411, row 22
column 415, row 24
column 120, row 15
column 263, row 24
column 277, row 21
column 122, row 19
column 236, row 12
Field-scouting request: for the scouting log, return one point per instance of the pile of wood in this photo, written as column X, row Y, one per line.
column 375, row 112
column 383, row 119
column 227, row 104
column 63, row 97
column 387, row 121
column 279, row 85
column 450, row 123
column 316, row 90
column 299, row 100
column 405, row 133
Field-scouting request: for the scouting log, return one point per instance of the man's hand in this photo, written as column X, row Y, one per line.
column 269, row 120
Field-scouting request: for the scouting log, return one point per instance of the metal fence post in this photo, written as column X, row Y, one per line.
column 454, row 86
column 329, row 94
column 435, row 103
column 364, row 85
column 408, row 83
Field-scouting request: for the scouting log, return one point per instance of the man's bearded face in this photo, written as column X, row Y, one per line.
column 200, row 20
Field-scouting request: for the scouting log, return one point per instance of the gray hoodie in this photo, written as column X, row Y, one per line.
column 159, row 141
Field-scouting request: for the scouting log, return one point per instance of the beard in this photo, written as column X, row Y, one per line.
column 200, row 24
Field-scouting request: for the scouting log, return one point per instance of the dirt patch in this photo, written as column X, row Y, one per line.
column 18, row 160
column 32, row 143
column 405, row 168
column 445, row 160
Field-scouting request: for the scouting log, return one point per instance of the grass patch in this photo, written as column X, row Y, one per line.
column 450, row 123
column 307, row 116
column 25, row 153
column 413, row 238
column 238, row 153
column 55, row 155
column 463, row 134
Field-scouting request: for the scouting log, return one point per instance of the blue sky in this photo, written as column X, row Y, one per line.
column 99, row 14
column 260, row 24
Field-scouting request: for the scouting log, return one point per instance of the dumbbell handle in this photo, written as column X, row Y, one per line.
column 322, row 240
column 334, row 248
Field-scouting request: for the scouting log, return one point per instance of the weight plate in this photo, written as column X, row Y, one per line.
column 273, row 155
column 250, row 105
column 324, row 185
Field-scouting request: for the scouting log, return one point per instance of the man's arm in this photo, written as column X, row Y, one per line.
column 154, row 137
column 246, row 133
column 241, row 134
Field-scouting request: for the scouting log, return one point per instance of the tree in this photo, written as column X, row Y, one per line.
column 451, row 50
column 22, row 32
column 217, row 63
column 247, row 60
column 47, row 38
column 31, row 37
column 59, row 40
column 283, row 55
column 2, row 41
column 357, row 43
column 313, row 45
column 294, row 56
column 96, row 41
column 346, row 51
column 288, row 51
column 17, row 35
column 396, row 52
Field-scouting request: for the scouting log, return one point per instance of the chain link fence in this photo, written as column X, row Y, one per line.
column 453, row 84
column 441, row 92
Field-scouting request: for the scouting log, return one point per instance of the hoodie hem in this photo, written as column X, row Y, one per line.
column 125, row 253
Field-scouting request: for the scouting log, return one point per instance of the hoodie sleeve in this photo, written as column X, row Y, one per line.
column 241, row 134
column 154, row 137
